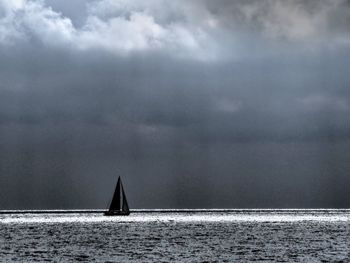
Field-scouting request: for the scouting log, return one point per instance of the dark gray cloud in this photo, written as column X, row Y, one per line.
column 195, row 103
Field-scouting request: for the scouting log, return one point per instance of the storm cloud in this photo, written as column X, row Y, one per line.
column 195, row 103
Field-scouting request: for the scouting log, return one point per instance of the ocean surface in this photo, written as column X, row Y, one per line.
column 178, row 236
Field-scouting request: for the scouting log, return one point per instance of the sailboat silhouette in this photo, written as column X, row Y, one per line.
column 119, row 205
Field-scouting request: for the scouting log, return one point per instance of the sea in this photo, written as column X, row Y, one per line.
column 230, row 235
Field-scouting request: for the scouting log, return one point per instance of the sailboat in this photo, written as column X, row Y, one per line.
column 119, row 205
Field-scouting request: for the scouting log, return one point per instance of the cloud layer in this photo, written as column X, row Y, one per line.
column 195, row 30
column 184, row 97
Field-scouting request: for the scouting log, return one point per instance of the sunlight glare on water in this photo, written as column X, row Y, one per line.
column 226, row 236
column 249, row 216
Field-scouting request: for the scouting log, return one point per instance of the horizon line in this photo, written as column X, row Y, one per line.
column 165, row 210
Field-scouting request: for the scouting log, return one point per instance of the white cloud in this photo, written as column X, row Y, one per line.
column 48, row 25
column 23, row 19
column 9, row 27
column 289, row 20
column 295, row 21
column 12, row 5
column 185, row 29
column 139, row 32
column 119, row 34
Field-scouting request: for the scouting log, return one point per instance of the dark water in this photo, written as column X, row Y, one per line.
column 230, row 236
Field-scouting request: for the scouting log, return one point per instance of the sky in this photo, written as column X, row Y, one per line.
column 195, row 104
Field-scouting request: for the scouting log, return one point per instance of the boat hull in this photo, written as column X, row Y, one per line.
column 117, row 213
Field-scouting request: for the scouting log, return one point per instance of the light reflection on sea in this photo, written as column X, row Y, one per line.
column 191, row 236
column 230, row 216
